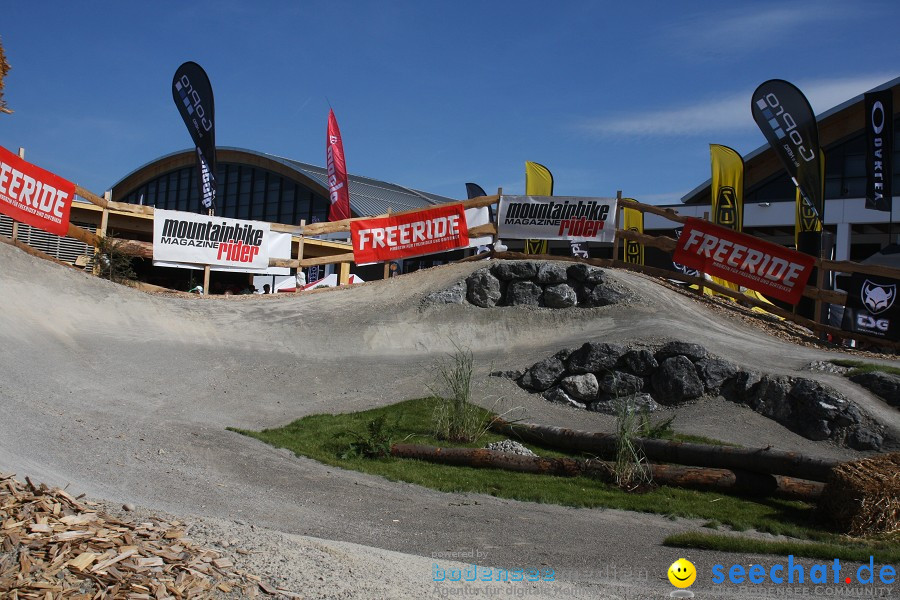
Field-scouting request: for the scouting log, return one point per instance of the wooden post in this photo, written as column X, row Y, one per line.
column 820, row 281
column 344, row 277
column 701, row 288
column 615, row 255
column 387, row 263
column 101, row 233
column 206, row 279
column 299, row 254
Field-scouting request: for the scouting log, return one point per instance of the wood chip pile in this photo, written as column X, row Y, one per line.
column 54, row 547
column 863, row 497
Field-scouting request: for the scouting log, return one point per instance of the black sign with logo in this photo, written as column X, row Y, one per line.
column 879, row 149
column 785, row 117
column 193, row 96
column 872, row 306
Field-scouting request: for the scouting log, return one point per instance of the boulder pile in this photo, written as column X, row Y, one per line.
column 599, row 376
column 533, row 283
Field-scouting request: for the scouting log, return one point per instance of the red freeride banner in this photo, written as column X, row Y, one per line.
column 743, row 259
column 31, row 195
column 423, row 232
column 338, row 188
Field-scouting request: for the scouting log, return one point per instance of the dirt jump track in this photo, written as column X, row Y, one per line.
column 126, row 396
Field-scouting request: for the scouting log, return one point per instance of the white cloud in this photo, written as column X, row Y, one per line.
column 728, row 113
column 713, row 34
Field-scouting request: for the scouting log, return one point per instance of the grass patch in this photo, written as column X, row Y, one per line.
column 883, row 551
column 326, row 438
column 857, row 367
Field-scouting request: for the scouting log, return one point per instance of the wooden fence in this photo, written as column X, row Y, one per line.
column 815, row 292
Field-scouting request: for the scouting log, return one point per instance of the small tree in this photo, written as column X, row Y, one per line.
column 112, row 263
column 4, row 69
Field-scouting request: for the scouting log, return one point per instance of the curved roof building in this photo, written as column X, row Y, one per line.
column 259, row 186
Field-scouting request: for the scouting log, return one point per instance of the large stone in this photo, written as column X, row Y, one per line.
column 737, row 388
column 455, row 294
column 581, row 387
column 714, row 372
column 769, row 397
column 884, row 385
column 544, row 374
column 863, row 438
column 618, row 384
column 483, row 289
column 816, row 401
column 640, row 362
column 560, row 296
column 676, row 381
column 516, row 269
column 581, row 272
column 595, row 357
column 523, row 292
column 595, row 276
column 559, row 396
column 603, row 295
column 694, row 352
column 551, row 273
column 639, row 402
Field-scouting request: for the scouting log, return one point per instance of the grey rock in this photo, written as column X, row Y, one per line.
column 640, row 402
column 815, row 429
column 595, row 276
column 694, row 352
column 510, row 447
column 770, row 397
column 128, row 507
column 619, row 384
column 551, row 273
column 543, row 374
column 714, row 372
column 594, row 357
column 515, row 269
column 640, row 362
column 737, row 387
column 581, row 387
column 863, row 438
column 851, row 415
column 603, row 295
column 676, row 381
column 560, row 296
column 883, row 385
column 455, row 294
column 559, row 396
column 523, row 292
column 581, row 272
column 483, row 289
column 814, row 400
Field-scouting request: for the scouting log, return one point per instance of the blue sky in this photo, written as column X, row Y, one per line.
column 434, row 94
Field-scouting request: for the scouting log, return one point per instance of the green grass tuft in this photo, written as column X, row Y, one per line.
column 857, row 367
column 884, row 552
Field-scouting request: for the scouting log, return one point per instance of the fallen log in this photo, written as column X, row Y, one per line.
column 754, row 460
column 739, row 482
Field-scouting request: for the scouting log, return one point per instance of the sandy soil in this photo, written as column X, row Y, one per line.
column 125, row 396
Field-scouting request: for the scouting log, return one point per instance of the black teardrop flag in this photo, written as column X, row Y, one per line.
column 193, row 96
column 473, row 190
column 786, row 119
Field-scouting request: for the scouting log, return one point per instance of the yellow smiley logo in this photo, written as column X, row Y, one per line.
column 682, row 573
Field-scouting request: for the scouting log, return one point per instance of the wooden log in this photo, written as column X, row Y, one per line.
column 742, row 482
column 667, row 213
column 35, row 252
column 327, row 260
column 761, row 460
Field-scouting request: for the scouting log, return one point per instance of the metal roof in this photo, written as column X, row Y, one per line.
column 367, row 196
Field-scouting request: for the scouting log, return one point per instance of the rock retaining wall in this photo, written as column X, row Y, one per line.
column 533, row 283
column 598, row 376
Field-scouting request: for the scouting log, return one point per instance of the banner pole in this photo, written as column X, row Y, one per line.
column 206, row 279
column 616, row 222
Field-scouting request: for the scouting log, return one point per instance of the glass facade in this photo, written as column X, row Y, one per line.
column 845, row 173
column 244, row 192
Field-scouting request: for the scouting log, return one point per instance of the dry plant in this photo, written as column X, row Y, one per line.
column 4, row 69
column 632, row 471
